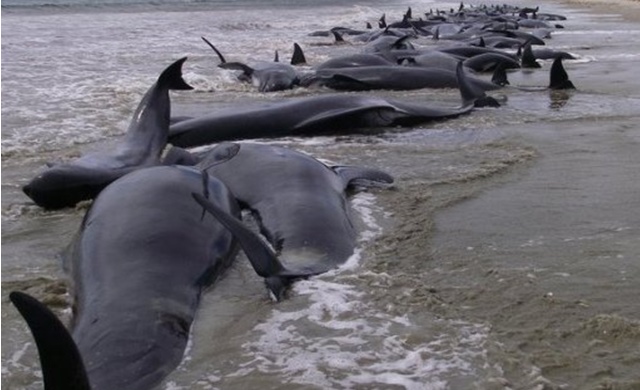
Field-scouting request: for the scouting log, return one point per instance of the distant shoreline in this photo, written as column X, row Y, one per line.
column 628, row 9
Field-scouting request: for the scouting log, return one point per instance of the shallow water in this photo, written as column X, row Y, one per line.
column 506, row 255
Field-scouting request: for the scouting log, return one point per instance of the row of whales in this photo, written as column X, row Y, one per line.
column 477, row 36
column 322, row 114
column 130, row 326
column 136, row 276
column 65, row 185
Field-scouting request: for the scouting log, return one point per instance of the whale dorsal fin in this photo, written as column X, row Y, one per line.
column 298, row 57
column 401, row 41
column 408, row 14
column 528, row 58
column 382, row 22
column 559, row 79
column 500, row 75
column 62, row 366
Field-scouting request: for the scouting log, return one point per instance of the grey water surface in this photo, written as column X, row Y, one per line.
column 507, row 255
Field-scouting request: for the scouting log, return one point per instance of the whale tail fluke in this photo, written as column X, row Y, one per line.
column 172, row 76
column 62, row 366
column 559, row 79
column 472, row 94
column 222, row 60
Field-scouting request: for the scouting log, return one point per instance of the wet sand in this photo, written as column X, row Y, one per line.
column 547, row 255
column 628, row 10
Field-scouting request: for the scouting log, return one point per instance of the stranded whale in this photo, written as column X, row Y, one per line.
column 64, row 185
column 138, row 265
column 324, row 114
column 300, row 205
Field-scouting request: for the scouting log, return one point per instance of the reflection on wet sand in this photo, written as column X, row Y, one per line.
column 558, row 99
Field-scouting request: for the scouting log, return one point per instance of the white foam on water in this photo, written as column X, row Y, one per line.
column 598, row 32
column 342, row 340
column 583, row 59
column 619, row 56
column 14, row 361
column 364, row 204
column 329, row 334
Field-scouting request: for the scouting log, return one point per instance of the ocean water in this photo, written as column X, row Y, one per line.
column 506, row 255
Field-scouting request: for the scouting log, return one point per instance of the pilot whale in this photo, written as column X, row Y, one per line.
column 300, row 204
column 391, row 77
column 66, row 184
column 322, row 114
column 137, row 268
column 266, row 76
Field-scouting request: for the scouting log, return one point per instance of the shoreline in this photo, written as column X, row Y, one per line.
column 628, row 10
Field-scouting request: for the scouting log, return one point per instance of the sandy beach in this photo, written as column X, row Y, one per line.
column 629, row 10
column 507, row 255
column 548, row 253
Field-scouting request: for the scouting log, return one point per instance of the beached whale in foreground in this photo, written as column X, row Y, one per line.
column 138, row 265
column 300, row 204
column 64, row 185
column 324, row 114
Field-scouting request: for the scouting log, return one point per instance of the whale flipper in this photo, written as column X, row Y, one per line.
column 262, row 257
column 338, row 37
column 328, row 115
column 220, row 153
column 181, row 118
column 62, row 366
column 359, row 175
column 237, row 66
